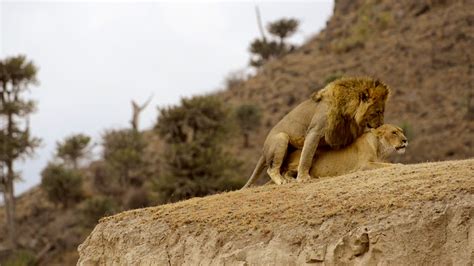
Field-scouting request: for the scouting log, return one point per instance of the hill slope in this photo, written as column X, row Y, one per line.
column 422, row 49
column 409, row 214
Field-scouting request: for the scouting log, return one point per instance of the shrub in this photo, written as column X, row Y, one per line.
column 195, row 163
column 204, row 119
column 96, row 208
column 104, row 181
column 234, row 79
column 20, row 258
column 137, row 198
column 248, row 118
column 194, row 171
column 63, row 186
column 123, row 155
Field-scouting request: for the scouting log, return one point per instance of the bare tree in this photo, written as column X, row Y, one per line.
column 136, row 110
column 259, row 23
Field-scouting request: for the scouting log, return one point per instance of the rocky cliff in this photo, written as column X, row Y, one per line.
column 408, row 214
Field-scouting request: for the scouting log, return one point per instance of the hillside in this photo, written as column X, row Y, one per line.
column 409, row 214
column 421, row 49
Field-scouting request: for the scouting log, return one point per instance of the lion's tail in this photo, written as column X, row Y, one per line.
column 256, row 172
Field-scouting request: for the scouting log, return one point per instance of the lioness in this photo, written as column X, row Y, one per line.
column 367, row 152
column 333, row 117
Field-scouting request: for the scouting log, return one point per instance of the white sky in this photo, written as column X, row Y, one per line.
column 94, row 57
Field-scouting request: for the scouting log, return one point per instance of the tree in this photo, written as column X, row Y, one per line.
column 136, row 110
column 195, row 162
column 283, row 28
column 62, row 185
column 16, row 142
column 123, row 156
column 248, row 117
column 263, row 50
column 72, row 149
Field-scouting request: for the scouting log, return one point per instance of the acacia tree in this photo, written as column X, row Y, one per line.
column 16, row 75
column 72, row 149
column 263, row 49
column 283, row 28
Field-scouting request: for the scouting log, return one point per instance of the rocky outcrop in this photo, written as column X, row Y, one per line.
column 408, row 214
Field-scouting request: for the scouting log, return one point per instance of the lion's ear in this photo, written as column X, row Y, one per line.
column 317, row 95
column 376, row 132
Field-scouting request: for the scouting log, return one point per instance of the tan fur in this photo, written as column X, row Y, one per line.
column 333, row 117
column 369, row 151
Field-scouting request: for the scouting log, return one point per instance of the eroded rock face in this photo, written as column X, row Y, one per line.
column 410, row 215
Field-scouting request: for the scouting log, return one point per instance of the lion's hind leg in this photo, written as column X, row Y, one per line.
column 278, row 150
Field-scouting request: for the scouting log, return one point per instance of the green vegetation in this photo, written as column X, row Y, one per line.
column 95, row 208
column 248, row 117
column 72, row 149
column 63, row 186
column 123, row 156
column 62, row 180
column 137, row 198
column 17, row 74
column 20, row 258
column 263, row 50
column 195, row 162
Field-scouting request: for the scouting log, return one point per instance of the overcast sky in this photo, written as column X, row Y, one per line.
column 95, row 57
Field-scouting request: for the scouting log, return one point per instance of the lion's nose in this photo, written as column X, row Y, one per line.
column 404, row 141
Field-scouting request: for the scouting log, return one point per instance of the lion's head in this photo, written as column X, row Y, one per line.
column 354, row 104
column 391, row 138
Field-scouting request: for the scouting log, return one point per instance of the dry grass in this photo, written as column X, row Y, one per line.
column 268, row 208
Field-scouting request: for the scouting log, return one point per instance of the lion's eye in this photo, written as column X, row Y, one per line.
column 394, row 132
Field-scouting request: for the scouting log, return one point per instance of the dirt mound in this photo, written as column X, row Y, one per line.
column 408, row 214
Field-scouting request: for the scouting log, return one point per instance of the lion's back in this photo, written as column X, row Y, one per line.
column 342, row 161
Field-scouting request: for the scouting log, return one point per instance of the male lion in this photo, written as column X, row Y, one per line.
column 333, row 117
column 369, row 151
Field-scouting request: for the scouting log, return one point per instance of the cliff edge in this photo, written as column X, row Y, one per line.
column 407, row 214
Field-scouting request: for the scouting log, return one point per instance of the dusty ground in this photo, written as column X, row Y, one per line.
column 411, row 214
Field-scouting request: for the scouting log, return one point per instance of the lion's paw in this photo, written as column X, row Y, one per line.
column 303, row 178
